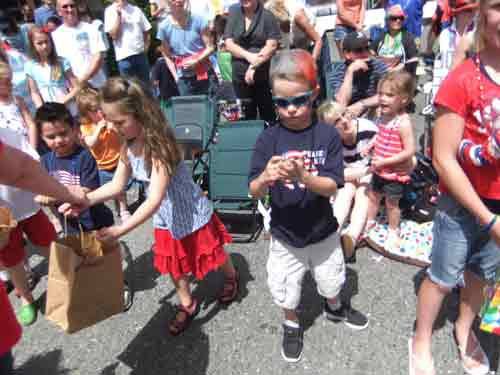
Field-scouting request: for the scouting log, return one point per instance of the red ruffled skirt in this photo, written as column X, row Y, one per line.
column 198, row 253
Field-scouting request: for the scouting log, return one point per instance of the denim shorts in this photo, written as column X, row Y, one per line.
column 341, row 31
column 459, row 245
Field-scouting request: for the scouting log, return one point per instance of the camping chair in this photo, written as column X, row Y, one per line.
column 193, row 119
column 230, row 159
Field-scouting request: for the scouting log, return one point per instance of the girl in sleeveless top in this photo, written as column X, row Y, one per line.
column 189, row 237
column 394, row 144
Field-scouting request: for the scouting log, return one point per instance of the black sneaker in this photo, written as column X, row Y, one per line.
column 291, row 349
column 351, row 318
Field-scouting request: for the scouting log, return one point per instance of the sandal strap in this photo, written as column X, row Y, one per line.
column 177, row 325
column 476, row 350
column 189, row 310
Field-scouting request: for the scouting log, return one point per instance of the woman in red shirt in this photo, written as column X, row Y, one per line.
column 466, row 249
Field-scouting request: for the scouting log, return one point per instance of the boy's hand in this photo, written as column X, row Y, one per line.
column 272, row 172
column 294, row 169
column 110, row 234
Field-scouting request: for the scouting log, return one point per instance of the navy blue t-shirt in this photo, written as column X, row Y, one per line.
column 300, row 217
column 79, row 168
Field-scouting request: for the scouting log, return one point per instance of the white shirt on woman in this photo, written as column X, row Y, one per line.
column 78, row 45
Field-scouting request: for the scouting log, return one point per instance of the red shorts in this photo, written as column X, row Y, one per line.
column 39, row 231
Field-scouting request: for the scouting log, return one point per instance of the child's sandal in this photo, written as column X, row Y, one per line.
column 230, row 289
column 183, row 317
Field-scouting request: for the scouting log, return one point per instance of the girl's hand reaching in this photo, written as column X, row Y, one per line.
column 110, row 234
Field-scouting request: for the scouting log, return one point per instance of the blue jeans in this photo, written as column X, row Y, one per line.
column 459, row 245
column 6, row 363
column 135, row 66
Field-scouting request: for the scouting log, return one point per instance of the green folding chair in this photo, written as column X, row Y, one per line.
column 230, row 159
column 193, row 119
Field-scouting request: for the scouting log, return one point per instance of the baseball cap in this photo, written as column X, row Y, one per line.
column 354, row 41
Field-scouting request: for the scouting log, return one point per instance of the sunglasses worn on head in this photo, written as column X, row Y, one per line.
column 396, row 18
column 296, row 101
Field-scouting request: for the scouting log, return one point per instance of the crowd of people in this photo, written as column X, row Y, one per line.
column 325, row 164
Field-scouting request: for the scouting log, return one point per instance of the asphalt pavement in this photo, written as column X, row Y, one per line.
column 244, row 338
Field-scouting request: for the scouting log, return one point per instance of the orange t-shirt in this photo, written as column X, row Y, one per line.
column 106, row 151
column 352, row 11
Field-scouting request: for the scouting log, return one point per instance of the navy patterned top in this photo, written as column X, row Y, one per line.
column 184, row 208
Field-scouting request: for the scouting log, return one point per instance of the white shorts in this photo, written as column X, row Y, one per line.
column 287, row 265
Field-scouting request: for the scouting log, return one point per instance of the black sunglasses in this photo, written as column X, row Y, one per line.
column 296, row 101
column 68, row 6
column 396, row 18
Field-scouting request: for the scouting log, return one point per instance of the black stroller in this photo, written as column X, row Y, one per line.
column 419, row 200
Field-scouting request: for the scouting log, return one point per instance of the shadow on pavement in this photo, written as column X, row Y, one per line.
column 46, row 363
column 311, row 303
column 154, row 351
column 141, row 272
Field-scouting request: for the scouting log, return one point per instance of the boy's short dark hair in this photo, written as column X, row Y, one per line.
column 52, row 112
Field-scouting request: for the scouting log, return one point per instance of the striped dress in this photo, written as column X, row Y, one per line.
column 389, row 143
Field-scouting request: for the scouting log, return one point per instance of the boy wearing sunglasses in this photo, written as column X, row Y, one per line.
column 299, row 162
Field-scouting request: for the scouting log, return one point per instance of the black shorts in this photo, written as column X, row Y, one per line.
column 390, row 189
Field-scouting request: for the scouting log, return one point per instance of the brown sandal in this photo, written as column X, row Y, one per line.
column 183, row 317
column 230, row 289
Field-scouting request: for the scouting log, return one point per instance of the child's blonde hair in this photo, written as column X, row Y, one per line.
column 88, row 102
column 133, row 99
column 401, row 83
column 480, row 33
column 331, row 109
column 5, row 71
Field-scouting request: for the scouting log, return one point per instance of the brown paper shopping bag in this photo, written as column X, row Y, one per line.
column 85, row 283
column 7, row 223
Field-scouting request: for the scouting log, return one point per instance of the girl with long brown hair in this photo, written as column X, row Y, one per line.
column 189, row 237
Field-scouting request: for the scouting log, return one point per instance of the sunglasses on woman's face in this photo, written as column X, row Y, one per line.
column 68, row 6
column 397, row 18
column 296, row 101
